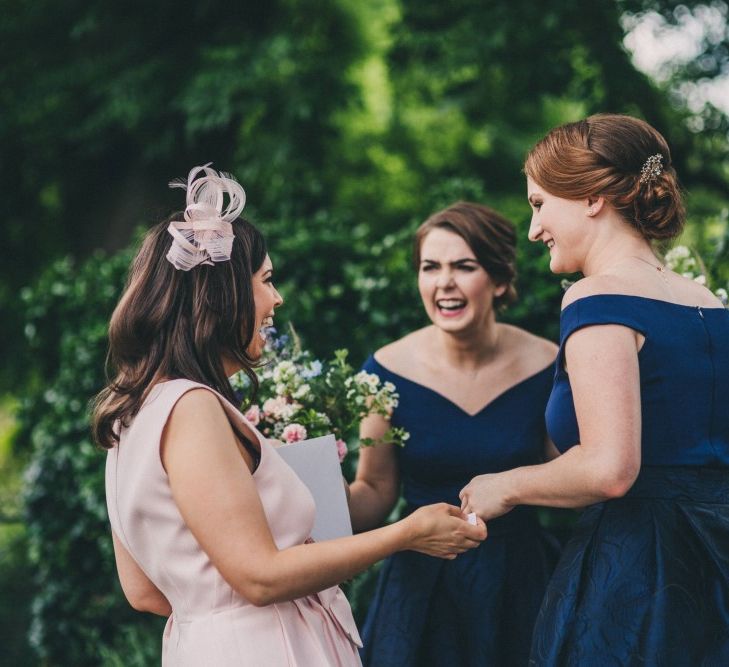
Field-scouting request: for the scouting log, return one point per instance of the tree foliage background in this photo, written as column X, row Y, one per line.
column 347, row 122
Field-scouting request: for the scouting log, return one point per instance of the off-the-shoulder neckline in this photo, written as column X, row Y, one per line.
column 643, row 298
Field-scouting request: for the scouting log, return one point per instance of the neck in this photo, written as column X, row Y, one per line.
column 608, row 252
column 230, row 366
column 468, row 350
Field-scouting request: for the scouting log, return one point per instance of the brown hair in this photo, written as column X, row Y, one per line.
column 178, row 324
column 604, row 155
column 491, row 237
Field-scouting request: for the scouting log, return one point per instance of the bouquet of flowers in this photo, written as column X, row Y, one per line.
column 301, row 397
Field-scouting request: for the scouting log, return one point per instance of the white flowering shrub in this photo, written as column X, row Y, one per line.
column 687, row 263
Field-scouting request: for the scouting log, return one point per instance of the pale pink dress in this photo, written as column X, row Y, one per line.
column 211, row 624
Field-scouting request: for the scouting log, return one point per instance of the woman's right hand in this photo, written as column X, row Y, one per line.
column 442, row 530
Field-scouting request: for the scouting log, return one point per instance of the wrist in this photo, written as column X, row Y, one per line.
column 510, row 495
column 404, row 533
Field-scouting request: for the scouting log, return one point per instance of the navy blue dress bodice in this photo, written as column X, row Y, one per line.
column 448, row 447
column 645, row 578
column 476, row 610
column 684, row 376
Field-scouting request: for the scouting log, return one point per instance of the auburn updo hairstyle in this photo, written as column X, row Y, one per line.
column 603, row 155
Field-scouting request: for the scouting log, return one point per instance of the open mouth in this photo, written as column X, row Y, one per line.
column 450, row 307
column 266, row 324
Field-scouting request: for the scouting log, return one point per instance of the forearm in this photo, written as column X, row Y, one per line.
column 575, row 479
column 368, row 505
column 309, row 568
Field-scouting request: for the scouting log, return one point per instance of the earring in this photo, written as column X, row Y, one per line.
column 590, row 212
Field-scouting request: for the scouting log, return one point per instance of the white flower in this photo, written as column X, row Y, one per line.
column 701, row 279
column 284, row 372
column 675, row 255
column 314, row 370
column 280, row 408
column 302, row 392
column 722, row 295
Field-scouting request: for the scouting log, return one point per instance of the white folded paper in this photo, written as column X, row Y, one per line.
column 316, row 462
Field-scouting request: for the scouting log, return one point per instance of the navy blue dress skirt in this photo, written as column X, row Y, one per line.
column 477, row 610
column 645, row 579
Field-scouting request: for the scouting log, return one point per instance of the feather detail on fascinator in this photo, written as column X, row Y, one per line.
column 205, row 235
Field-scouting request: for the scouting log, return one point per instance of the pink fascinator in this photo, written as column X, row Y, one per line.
column 205, row 235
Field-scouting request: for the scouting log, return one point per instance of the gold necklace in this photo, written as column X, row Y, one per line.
column 658, row 267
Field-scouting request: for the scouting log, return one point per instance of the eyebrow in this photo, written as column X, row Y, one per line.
column 453, row 263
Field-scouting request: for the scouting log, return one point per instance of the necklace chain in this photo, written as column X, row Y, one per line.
column 658, row 267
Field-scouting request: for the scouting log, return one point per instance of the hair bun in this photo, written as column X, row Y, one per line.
column 658, row 209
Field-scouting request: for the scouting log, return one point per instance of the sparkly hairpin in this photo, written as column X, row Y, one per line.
column 205, row 235
column 652, row 168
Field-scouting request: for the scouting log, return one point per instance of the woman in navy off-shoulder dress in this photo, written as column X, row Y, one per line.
column 638, row 410
column 472, row 396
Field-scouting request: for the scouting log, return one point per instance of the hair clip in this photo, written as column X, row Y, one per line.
column 652, row 168
column 205, row 236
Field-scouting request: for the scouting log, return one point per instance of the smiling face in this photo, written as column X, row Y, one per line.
column 267, row 299
column 562, row 225
column 456, row 290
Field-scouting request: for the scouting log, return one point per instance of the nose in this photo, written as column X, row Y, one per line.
column 278, row 300
column 445, row 279
column 535, row 230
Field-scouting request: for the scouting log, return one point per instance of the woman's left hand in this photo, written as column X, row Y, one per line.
column 485, row 496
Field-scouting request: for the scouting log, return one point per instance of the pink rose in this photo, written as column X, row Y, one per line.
column 341, row 449
column 253, row 415
column 294, row 433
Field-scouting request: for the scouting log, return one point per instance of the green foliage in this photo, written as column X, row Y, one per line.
column 115, row 100
column 78, row 606
column 16, row 590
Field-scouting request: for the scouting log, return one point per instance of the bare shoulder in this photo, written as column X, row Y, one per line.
column 398, row 355
column 198, row 431
column 694, row 294
column 197, row 412
column 596, row 284
column 539, row 351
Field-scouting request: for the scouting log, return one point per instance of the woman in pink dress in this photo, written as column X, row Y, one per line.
column 210, row 526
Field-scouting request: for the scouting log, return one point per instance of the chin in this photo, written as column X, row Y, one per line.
column 453, row 327
column 555, row 266
column 255, row 349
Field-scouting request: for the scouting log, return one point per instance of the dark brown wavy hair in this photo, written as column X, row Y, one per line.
column 603, row 156
column 490, row 236
column 173, row 324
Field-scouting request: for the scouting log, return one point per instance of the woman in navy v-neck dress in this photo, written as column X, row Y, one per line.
column 638, row 409
column 472, row 396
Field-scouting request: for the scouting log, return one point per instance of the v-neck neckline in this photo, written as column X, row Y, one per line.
column 451, row 402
